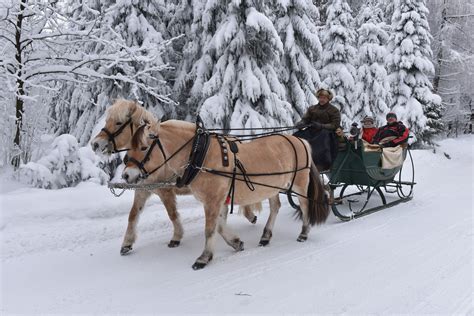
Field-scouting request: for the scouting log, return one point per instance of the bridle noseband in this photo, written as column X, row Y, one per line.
column 141, row 164
column 118, row 132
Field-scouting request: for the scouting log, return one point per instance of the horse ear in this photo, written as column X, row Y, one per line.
column 153, row 129
column 133, row 108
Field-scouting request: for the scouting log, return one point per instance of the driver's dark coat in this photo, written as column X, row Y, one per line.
column 328, row 115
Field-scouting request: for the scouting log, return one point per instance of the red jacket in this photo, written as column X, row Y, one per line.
column 369, row 133
column 397, row 130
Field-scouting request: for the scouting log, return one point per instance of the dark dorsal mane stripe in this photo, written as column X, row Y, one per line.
column 137, row 137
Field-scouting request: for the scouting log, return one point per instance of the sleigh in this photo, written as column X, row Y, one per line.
column 361, row 185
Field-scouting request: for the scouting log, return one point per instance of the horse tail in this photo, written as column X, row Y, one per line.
column 318, row 207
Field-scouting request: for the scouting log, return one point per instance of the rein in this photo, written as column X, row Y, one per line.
column 118, row 132
column 201, row 142
column 141, row 164
column 274, row 131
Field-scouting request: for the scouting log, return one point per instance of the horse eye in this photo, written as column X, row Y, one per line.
column 144, row 148
column 118, row 123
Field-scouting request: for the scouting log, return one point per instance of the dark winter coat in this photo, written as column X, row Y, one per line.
column 397, row 131
column 324, row 146
column 328, row 115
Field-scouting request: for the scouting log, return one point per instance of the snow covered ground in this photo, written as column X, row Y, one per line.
column 60, row 254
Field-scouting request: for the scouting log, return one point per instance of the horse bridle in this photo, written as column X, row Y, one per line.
column 141, row 164
column 156, row 141
column 118, row 132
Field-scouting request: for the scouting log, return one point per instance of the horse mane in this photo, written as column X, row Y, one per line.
column 137, row 137
column 123, row 109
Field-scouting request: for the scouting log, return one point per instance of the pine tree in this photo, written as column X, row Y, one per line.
column 338, row 39
column 372, row 82
column 409, row 64
column 296, row 23
column 244, row 89
column 184, row 53
column 388, row 8
column 136, row 29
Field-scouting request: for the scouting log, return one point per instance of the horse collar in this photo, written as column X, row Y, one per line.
column 199, row 150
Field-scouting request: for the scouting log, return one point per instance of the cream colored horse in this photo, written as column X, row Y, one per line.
column 284, row 161
column 123, row 119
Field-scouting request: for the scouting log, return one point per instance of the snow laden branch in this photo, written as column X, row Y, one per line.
column 45, row 44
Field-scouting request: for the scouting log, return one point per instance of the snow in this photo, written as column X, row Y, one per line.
column 60, row 254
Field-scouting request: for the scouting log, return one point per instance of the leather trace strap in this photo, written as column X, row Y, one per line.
column 237, row 165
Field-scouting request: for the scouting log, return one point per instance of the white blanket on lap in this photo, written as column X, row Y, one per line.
column 392, row 157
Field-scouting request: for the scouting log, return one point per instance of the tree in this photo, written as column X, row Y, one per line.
column 185, row 51
column 372, row 82
column 452, row 59
column 45, row 46
column 244, row 89
column 322, row 7
column 409, row 66
column 339, row 58
column 137, row 29
column 296, row 23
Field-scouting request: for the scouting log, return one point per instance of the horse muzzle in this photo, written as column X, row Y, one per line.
column 131, row 175
column 101, row 146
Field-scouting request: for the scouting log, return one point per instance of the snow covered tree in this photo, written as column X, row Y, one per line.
column 65, row 165
column 339, row 59
column 322, row 6
column 453, row 59
column 372, row 82
column 136, row 29
column 194, row 68
column 296, row 23
column 244, row 89
column 409, row 67
column 387, row 7
column 186, row 50
column 45, row 47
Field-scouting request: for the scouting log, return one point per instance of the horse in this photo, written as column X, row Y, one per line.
column 122, row 120
column 267, row 166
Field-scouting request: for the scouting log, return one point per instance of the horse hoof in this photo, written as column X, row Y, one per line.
column 125, row 250
column 173, row 243
column 199, row 265
column 254, row 220
column 263, row 243
column 240, row 246
column 302, row 238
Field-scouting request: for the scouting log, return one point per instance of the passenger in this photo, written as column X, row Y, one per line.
column 392, row 134
column 317, row 126
column 368, row 129
column 341, row 139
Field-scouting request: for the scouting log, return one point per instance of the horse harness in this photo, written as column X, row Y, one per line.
column 200, row 146
column 196, row 157
column 141, row 164
column 112, row 136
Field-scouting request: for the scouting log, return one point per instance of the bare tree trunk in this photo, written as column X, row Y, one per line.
column 439, row 56
column 19, row 86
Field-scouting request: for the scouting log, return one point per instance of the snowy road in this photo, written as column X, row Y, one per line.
column 60, row 254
